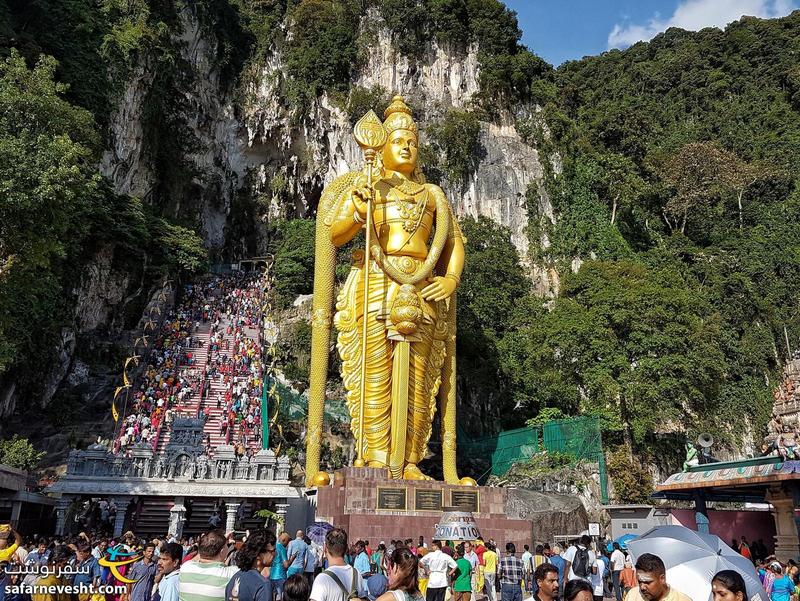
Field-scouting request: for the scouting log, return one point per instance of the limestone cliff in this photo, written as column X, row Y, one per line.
column 242, row 139
column 246, row 137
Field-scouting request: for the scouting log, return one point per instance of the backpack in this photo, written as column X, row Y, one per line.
column 353, row 592
column 581, row 566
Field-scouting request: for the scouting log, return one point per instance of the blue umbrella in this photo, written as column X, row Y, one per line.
column 625, row 539
column 317, row 531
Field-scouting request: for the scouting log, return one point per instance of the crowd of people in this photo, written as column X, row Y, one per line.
column 169, row 378
column 173, row 380
column 259, row 566
column 238, row 366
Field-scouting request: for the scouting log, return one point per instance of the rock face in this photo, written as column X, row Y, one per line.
column 550, row 514
column 218, row 155
column 247, row 140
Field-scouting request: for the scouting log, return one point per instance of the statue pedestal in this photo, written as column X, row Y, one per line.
column 370, row 506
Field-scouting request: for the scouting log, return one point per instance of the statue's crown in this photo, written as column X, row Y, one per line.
column 398, row 116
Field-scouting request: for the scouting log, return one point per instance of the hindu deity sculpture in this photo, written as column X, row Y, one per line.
column 395, row 313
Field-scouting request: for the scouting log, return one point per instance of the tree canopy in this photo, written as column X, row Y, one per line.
column 676, row 234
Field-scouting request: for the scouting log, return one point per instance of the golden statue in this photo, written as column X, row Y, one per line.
column 416, row 255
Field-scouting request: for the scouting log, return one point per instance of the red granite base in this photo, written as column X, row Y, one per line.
column 351, row 502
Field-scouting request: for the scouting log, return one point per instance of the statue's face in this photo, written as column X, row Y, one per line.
column 400, row 152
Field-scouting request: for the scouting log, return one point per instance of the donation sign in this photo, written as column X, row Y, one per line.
column 457, row 526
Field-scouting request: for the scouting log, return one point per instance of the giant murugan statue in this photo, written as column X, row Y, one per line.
column 395, row 314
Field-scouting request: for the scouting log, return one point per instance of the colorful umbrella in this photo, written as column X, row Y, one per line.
column 317, row 531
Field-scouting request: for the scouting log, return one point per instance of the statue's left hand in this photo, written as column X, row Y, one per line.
column 439, row 289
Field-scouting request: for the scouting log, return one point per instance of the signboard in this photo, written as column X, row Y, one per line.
column 594, row 529
column 392, row 499
column 457, row 526
column 465, row 500
column 428, row 500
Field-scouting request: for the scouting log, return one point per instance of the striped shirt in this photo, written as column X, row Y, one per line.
column 204, row 581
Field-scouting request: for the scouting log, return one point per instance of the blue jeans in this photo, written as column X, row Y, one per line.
column 275, row 587
column 616, row 584
column 511, row 592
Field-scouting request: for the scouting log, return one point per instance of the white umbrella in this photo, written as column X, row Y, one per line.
column 692, row 559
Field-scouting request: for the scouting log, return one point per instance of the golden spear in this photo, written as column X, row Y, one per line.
column 371, row 136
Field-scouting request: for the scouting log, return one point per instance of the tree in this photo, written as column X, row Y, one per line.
column 493, row 280
column 294, row 259
column 626, row 342
column 620, row 181
column 493, row 283
column 700, row 173
column 20, row 454
column 48, row 188
column 321, row 49
column 456, row 141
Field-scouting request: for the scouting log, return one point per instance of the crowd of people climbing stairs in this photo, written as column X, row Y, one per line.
column 205, row 361
column 235, row 362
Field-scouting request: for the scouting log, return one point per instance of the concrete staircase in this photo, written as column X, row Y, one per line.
column 218, row 388
column 200, row 355
column 202, row 508
column 197, row 521
column 153, row 516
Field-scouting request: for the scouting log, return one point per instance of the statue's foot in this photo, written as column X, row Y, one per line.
column 379, row 464
column 412, row 472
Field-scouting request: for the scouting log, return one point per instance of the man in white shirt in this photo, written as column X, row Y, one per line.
column 472, row 558
column 340, row 581
column 617, row 565
column 440, row 566
column 580, row 560
column 310, row 565
column 597, row 579
column 527, row 568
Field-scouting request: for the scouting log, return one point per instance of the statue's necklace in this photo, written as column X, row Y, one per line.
column 411, row 209
column 408, row 187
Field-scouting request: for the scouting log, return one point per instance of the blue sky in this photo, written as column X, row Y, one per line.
column 560, row 30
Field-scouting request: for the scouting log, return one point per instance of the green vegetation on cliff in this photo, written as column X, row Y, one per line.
column 680, row 180
column 57, row 212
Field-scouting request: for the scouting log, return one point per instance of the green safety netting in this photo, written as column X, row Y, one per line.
column 578, row 437
column 294, row 406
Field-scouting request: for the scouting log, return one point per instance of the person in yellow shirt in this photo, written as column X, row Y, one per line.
column 423, row 572
column 6, row 550
column 652, row 578
column 59, row 559
column 490, row 570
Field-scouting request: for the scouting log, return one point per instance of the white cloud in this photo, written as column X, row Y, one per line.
column 695, row 15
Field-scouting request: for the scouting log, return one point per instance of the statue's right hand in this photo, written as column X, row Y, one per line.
column 361, row 196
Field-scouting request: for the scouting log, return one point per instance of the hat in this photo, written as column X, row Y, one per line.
column 376, row 586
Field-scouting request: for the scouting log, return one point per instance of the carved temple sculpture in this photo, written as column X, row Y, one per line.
column 416, row 255
column 184, row 458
